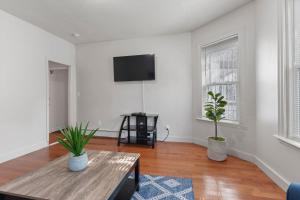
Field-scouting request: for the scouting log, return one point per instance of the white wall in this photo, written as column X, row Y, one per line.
column 169, row 95
column 257, row 26
column 24, row 52
column 241, row 138
column 58, row 99
column 282, row 160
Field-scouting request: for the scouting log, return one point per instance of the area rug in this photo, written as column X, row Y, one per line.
column 164, row 187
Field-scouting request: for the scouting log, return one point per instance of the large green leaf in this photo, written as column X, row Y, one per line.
column 75, row 138
column 220, row 99
column 210, row 93
column 217, row 95
column 215, row 108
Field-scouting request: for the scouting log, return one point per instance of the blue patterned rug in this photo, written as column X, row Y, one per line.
column 164, row 187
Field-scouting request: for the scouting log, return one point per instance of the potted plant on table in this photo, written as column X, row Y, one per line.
column 214, row 110
column 75, row 139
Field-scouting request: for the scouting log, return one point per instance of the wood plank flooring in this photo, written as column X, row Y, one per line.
column 233, row 179
column 53, row 136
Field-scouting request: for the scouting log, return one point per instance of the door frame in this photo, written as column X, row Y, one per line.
column 48, row 95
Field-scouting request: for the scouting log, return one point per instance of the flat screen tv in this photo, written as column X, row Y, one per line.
column 134, row 68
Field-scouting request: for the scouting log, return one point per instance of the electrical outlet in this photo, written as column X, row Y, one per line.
column 167, row 127
column 99, row 123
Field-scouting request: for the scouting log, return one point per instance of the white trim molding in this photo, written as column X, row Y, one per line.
column 268, row 170
column 231, row 151
column 224, row 123
column 231, row 41
column 286, row 70
column 160, row 137
column 272, row 174
column 283, row 102
column 289, row 141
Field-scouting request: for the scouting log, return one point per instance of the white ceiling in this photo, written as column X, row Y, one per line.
column 101, row 20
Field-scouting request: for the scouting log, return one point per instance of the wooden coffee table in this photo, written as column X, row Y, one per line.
column 109, row 176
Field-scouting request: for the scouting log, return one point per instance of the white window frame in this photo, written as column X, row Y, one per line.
column 292, row 70
column 203, row 63
column 286, row 71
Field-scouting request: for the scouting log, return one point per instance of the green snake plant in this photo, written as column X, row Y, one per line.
column 75, row 138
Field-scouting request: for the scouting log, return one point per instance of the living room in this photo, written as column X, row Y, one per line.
column 69, row 68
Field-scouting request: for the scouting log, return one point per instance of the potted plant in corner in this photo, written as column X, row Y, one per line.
column 75, row 139
column 214, row 110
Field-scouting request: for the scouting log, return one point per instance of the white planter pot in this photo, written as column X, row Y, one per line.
column 78, row 163
column 216, row 150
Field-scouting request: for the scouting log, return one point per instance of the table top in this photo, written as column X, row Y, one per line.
column 146, row 114
column 98, row 181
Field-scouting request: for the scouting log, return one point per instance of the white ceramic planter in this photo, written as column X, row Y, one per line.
column 216, row 150
column 78, row 163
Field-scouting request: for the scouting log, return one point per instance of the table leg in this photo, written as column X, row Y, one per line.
column 128, row 129
column 120, row 132
column 137, row 175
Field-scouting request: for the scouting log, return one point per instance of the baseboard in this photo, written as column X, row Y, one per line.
column 175, row 139
column 114, row 134
column 107, row 134
column 200, row 142
column 54, row 143
column 241, row 154
column 22, row 151
column 231, row 151
column 271, row 173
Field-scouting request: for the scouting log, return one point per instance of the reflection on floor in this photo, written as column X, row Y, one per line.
column 233, row 179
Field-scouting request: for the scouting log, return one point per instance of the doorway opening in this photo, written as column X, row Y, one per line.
column 58, row 99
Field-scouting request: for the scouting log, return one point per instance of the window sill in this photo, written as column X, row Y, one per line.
column 225, row 123
column 288, row 141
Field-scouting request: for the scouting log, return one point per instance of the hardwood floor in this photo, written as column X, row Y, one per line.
column 233, row 179
column 53, row 136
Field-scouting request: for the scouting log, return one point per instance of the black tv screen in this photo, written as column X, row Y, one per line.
column 134, row 68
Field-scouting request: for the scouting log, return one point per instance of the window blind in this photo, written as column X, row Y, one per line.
column 220, row 74
column 297, row 66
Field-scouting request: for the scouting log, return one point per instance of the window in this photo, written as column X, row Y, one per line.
column 289, row 71
column 295, row 34
column 220, row 71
